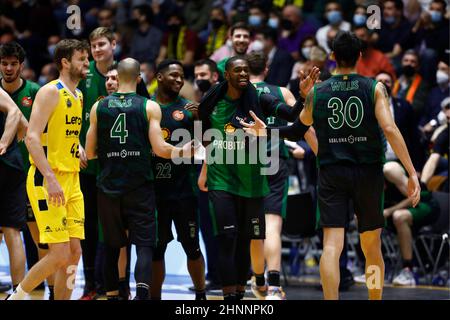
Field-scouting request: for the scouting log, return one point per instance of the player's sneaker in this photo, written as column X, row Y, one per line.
column 405, row 278
column 275, row 293
column 260, row 292
column 89, row 295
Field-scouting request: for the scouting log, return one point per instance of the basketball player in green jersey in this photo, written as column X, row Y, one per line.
column 175, row 190
column 269, row 250
column 23, row 92
column 124, row 128
column 348, row 111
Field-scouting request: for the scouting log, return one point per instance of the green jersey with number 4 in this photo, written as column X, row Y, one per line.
column 174, row 181
column 344, row 118
column 123, row 145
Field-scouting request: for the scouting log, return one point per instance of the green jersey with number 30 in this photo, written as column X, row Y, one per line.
column 123, row 144
column 344, row 118
column 174, row 181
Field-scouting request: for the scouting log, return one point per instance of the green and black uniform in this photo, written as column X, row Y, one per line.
column 175, row 186
column 238, row 186
column 275, row 202
column 125, row 179
column 12, row 183
column 24, row 99
column 351, row 152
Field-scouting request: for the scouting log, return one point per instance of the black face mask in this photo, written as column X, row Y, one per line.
column 216, row 23
column 203, row 85
column 408, row 71
column 173, row 27
column 286, row 24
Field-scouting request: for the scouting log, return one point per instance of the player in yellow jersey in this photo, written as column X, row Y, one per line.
column 53, row 179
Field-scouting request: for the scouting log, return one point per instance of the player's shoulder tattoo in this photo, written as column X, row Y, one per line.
column 383, row 90
column 309, row 100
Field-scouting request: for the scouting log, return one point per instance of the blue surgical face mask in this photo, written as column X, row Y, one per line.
column 359, row 19
column 254, row 21
column 389, row 20
column 436, row 16
column 273, row 23
column 51, row 49
column 42, row 80
column 334, row 17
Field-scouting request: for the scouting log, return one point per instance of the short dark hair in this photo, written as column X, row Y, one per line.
column 233, row 59
column 66, row 48
column 12, row 49
column 239, row 25
column 346, row 47
column 257, row 62
column 212, row 65
column 270, row 33
column 385, row 72
column 397, row 3
column 145, row 10
column 165, row 64
column 443, row 2
column 413, row 53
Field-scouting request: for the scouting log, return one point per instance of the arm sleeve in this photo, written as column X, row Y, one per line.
column 294, row 132
column 273, row 106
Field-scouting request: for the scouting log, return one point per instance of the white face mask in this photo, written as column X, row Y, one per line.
column 306, row 51
column 441, row 77
column 257, row 45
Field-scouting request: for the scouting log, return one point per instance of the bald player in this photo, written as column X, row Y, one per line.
column 124, row 130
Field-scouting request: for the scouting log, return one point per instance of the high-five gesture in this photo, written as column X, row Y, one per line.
column 308, row 81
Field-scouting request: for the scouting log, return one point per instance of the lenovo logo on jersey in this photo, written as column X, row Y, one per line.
column 73, row 120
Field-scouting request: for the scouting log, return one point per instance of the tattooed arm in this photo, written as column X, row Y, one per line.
column 306, row 116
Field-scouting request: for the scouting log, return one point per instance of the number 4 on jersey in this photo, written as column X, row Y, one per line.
column 119, row 128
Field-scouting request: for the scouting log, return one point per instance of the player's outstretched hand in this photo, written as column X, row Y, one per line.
column 308, row 81
column 188, row 149
column 414, row 190
column 256, row 128
column 3, row 148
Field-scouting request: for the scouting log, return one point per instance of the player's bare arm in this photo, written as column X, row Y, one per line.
column 306, row 116
column 395, row 138
column 44, row 105
column 159, row 146
column 13, row 116
column 22, row 128
column 91, row 136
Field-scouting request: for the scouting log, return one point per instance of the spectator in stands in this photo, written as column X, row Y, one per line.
column 437, row 163
column 148, row 76
column 216, row 35
column 279, row 61
column 257, row 18
column 372, row 60
column 197, row 14
column 430, row 121
column 432, row 37
column 49, row 73
column 403, row 115
column 408, row 220
column 393, row 37
column 180, row 43
column 294, row 29
column 106, row 18
column 333, row 14
column 147, row 38
column 410, row 85
column 360, row 16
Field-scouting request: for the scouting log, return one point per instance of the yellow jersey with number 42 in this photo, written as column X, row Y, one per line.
column 60, row 138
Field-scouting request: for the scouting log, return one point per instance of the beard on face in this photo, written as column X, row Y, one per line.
column 13, row 77
column 75, row 74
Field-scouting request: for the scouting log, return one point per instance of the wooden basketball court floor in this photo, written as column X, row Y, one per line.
column 304, row 288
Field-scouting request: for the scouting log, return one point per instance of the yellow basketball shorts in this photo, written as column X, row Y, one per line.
column 57, row 224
